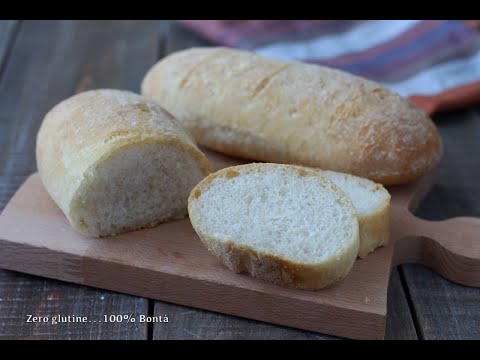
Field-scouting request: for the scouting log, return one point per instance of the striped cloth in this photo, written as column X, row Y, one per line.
column 436, row 63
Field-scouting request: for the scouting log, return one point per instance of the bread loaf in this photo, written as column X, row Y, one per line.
column 114, row 161
column 280, row 223
column 270, row 110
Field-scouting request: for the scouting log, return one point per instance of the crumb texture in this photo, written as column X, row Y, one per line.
column 280, row 223
column 114, row 161
column 367, row 196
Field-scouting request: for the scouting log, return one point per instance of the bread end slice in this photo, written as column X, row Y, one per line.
column 372, row 205
column 374, row 231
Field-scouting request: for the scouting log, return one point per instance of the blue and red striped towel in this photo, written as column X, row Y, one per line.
column 436, row 63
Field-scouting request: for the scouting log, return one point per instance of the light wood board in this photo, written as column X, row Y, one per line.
column 169, row 263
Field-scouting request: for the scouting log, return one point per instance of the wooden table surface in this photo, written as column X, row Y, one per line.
column 43, row 62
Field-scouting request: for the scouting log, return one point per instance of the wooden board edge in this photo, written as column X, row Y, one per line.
column 354, row 324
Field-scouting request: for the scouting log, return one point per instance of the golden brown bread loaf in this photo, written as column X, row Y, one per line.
column 259, row 108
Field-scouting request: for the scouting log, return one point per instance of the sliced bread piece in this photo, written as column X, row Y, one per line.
column 372, row 204
column 280, row 223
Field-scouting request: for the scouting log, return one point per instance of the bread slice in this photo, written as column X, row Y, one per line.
column 280, row 223
column 114, row 161
column 372, row 205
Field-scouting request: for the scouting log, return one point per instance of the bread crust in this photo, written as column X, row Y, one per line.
column 374, row 231
column 268, row 267
column 270, row 110
column 374, row 227
column 82, row 133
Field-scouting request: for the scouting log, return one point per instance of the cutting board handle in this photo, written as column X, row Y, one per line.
column 451, row 247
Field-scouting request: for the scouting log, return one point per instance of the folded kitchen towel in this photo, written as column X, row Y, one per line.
column 436, row 63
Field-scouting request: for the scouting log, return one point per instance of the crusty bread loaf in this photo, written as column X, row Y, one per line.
column 259, row 108
column 372, row 205
column 114, row 161
column 280, row 223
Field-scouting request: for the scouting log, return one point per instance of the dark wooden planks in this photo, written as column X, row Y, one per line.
column 7, row 32
column 181, row 38
column 444, row 310
column 193, row 324
column 7, row 36
column 400, row 325
column 189, row 323
column 24, row 295
column 49, row 61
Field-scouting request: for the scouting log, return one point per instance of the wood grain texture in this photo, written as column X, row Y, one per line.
column 185, row 273
column 400, row 325
column 194, row 324
column 24, row 295
column 7, row 35
column 445, row 310
column 451, row 247
column 49, row 61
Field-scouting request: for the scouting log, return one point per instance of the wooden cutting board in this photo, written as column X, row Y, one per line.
column 169, row 263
